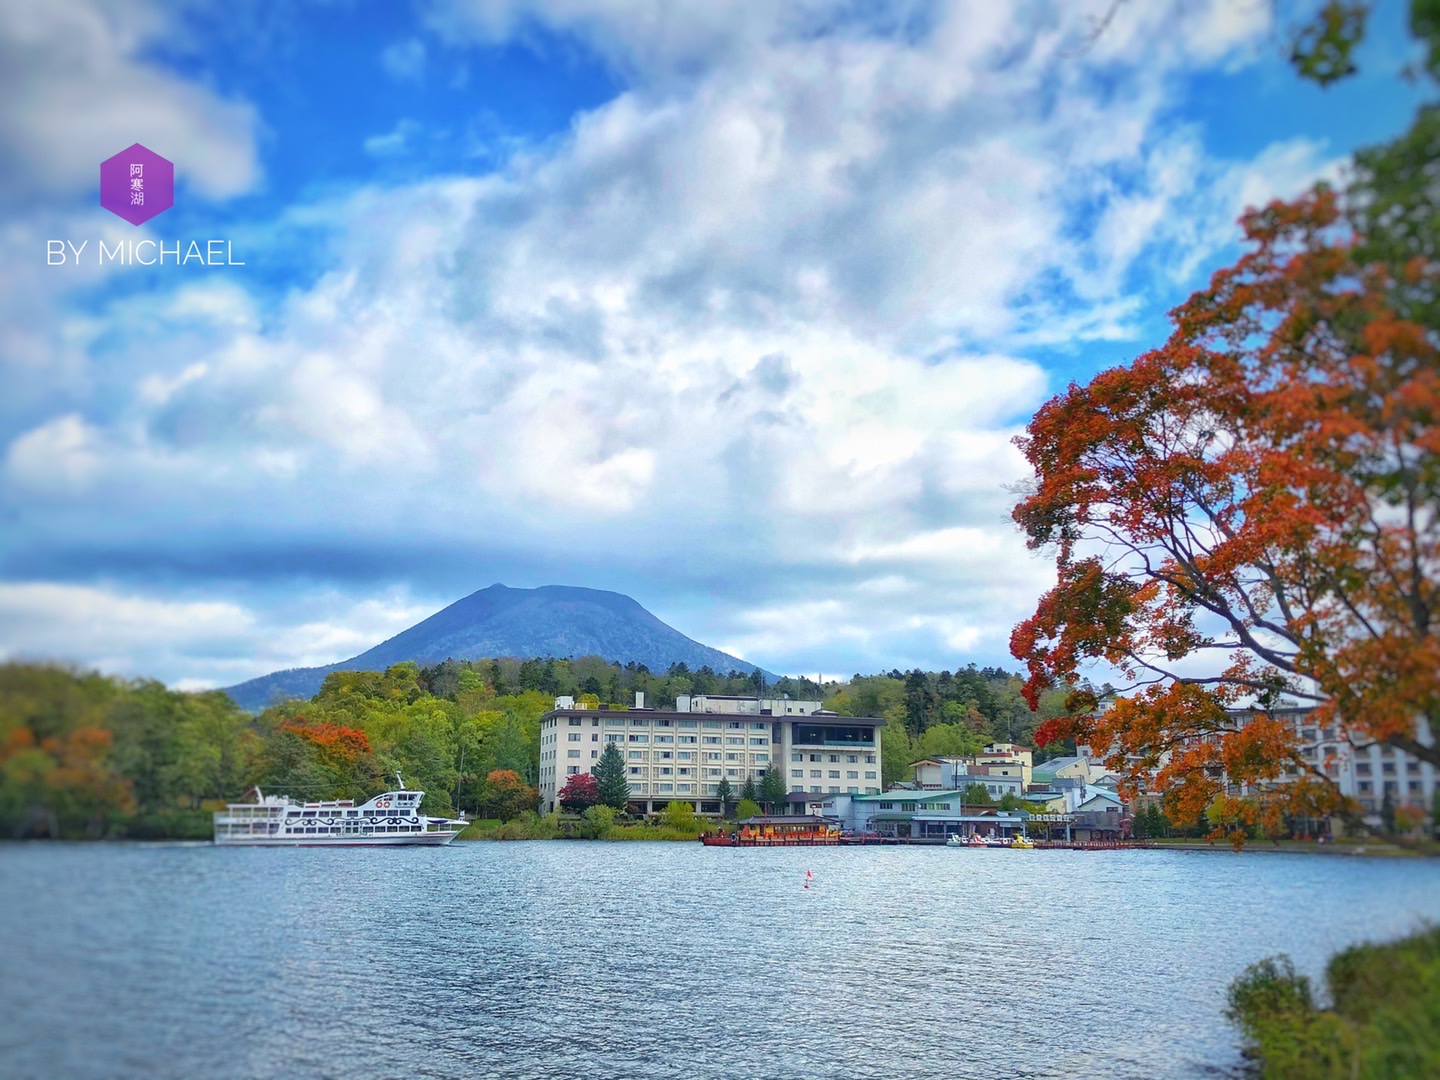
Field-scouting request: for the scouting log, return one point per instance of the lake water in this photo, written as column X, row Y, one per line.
column 656, row 960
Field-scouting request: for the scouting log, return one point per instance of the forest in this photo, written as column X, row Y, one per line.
column 84, row 755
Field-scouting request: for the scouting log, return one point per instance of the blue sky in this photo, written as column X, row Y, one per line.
column 734, row 309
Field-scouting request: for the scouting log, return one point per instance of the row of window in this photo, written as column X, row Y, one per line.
column 832, row 758
column 850, row 774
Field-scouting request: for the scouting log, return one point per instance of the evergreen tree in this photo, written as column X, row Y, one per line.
column 1387, row 812
column 609, row 773
column 747, row 790
column 726, row 794
column 772, row 788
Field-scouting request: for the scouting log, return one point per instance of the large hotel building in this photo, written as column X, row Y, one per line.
column 682, row 754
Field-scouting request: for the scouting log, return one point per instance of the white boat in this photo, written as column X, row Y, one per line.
column 387, row 820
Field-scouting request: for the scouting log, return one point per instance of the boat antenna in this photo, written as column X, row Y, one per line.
column 398, row 780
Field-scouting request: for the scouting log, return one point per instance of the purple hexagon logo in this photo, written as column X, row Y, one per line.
column 136, row 184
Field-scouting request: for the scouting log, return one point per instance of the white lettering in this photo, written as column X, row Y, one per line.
column 52, row 249
column 230, row 256
column 135, row 253
column 169, row 251
column 192, row 252
column 77, row 251
column 106, row 255
column 212, row 252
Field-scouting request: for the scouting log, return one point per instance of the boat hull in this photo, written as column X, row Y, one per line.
column 430, row 839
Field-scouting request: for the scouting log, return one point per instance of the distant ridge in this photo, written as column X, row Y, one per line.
column 552, row 620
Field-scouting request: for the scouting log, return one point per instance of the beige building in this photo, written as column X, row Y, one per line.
column 684, row 753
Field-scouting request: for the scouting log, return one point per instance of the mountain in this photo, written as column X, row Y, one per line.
column 553, row 620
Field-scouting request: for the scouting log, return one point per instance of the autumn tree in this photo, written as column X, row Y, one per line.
column 581, row 791
column 506, row 795
column 1263, row 490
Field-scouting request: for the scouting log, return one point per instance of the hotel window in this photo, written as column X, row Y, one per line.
column 594, row 754
column 571, row 770
column 637, row 755
column 712, row 772
column 595, row 722
column 711, row 724
column 734, row 757
column 667, row 772
column 732, row 772
column 1362, row 768
column 687, row 740
column 663, row 723
column 574, row 736
column 687, row 723
column 666, row 755
column 640, row 738
column 572, row 753
column 797, row 756
column 762, row 758
column 574, row 721
column 687, row 787
column 712, row 740
column 798, row 774
column 665, row 738
column 870, row 774
column 1388, row 768
column 666, row 787
column 869, row 759
column 814, row 774
column 615, row 721
column 851, row 774
column 684, row 772
column 853, row 790
column 686, row 755
column 615, row 737
column 761, row 726
column 759, row 742
column 834, row 759
column 636, row 771
column 834, row 791
column 834, row 774
column 734, row 740
column 714, row 757
column 814, row 757
column 852, row 758
column 1364, row 785
column 735, row 725
column 595, row 737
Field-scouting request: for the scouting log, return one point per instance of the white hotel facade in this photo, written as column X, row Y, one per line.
column 684, row 753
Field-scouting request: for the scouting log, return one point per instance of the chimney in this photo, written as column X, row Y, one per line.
column 639, row 699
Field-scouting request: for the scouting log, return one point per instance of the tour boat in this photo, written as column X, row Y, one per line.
column 387, row 820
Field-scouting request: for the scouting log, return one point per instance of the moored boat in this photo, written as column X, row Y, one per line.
column 387, row 820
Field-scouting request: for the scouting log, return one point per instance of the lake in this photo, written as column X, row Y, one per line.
column 657, row 960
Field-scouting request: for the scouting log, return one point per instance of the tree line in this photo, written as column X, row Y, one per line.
column 88, row 755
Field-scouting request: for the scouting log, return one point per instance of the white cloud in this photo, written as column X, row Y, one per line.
column 75, row 75
column 404, row 60
column 756, row 326
column 192, row 643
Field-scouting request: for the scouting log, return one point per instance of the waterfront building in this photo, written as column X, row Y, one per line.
column 682, row 754
column 933, row 815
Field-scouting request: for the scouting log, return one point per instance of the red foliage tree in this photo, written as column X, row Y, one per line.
column 1264, row 490
column 580, row 792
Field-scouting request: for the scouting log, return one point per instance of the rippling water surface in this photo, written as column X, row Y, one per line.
column 656, row 960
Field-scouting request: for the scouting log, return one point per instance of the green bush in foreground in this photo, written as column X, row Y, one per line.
column 1384, row 1023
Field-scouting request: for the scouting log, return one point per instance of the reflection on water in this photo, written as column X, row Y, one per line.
column 656, row 960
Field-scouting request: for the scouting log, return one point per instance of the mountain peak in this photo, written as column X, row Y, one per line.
column 551, row 620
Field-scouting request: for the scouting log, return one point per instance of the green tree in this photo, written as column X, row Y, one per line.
column 679, row 816
column 609, row 773
column 726, row 795
column 747, row 808
column 772, row 788
column 975, row 795
column 748, row 791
